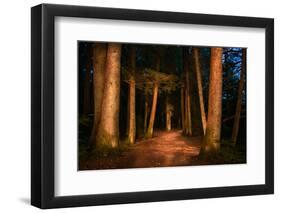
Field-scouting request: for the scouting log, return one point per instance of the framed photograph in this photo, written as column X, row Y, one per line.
column 139, row 106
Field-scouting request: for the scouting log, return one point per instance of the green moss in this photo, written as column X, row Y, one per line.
column 232, row 154
column 149, row 133
column 108, row 151
column 227, row 154
column 85, row 127
column 105, row 140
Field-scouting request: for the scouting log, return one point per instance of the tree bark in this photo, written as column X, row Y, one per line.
column 132, row 98
column 239, row 98
column 99, row 60
column 153, row 111
column 211, row 141
column 108, row 129
column 182, row 109
column 200, row 88
column 154, row 101
column 188, row 123
column 168, row 114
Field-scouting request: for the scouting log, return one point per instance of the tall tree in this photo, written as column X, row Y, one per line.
column 99, row 59
column 188, row 124
column 200, row 88
column 211, row 141
column 146, row 108
column 153, row 110
column 169, row 113
column 154, row 100
column 239, row 98
column 108, row 130
column 182, row 108
column 132, row 97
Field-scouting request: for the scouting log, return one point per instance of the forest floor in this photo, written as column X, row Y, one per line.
column 166, row 148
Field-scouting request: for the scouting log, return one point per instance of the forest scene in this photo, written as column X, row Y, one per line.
column 150, row 105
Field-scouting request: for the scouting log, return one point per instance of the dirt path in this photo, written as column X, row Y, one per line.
column 164, row 149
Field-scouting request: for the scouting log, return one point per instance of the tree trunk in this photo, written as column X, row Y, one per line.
column 145, row 113
column 239, row 98
column 99, row 60
column 188, row 124
column 200, row 88
column 211, row 142
column 168, row 114
column 154, row 102
column 153, row 111
column 182, row 109
column 132, row 98
column 108, row 129
column 86, row 102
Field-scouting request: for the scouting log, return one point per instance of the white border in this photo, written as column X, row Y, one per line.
column 68, row 181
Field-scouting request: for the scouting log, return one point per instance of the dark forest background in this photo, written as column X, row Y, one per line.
column 167, row 65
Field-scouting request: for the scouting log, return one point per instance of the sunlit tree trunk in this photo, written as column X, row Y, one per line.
column 200, row 88
column 153, row 111
column 132, row 98
column 188, row 124
column 108, row 129
column 87, row 83
column 99, row 58
column 211, row 142
column 154, row 102
column 168, row 114
column 239, row 98
column 182, row 109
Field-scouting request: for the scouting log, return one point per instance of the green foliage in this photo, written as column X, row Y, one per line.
column 145, row 80
column 84, row 120
column 85, row 123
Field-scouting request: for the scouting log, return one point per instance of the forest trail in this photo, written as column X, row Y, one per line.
column 166, row 148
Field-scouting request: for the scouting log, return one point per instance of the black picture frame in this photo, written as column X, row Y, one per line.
column 43, row 117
